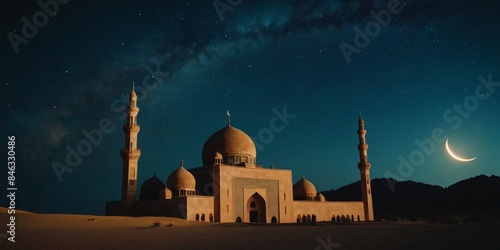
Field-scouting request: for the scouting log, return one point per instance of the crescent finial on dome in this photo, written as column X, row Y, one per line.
column 228, row 119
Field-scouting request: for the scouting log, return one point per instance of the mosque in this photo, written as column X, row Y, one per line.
column 230, row 186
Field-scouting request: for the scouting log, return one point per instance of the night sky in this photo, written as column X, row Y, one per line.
column 428, row 67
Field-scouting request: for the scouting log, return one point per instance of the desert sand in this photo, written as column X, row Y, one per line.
column 64, row 231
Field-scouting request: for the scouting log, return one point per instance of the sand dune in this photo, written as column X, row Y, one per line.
column 64, row 231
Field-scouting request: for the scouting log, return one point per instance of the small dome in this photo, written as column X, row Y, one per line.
column 165, row 194
column 181, row 179
column 151, row 188
column 320, row 197
column 217, row 155
column 303, row 189
column 229, row 142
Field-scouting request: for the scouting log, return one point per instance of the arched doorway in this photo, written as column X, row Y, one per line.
column 256, row 207
column 274, row 220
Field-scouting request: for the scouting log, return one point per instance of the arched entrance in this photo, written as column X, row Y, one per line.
column 256, row 207
column 274, row 220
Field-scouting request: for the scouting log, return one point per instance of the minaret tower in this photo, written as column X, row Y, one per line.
column 364, row 168
column 130, row 154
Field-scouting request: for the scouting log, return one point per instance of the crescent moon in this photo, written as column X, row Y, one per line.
column 458, row 158
column 228, row 113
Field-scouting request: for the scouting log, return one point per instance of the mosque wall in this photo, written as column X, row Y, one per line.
column 238, row 184
column 204, row 180
column 325, row 211
column 165, row 207
column 200, row 208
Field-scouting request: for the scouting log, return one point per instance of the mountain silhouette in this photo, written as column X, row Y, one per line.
column 476, row 197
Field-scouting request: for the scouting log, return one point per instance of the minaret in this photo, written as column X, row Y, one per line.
column 364, row 168
column 130, row 155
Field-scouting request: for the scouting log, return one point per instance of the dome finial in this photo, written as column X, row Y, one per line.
column 182, row 163
column 133, row 85
column 228, row 119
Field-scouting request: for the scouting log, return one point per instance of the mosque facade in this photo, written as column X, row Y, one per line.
column 230, row 186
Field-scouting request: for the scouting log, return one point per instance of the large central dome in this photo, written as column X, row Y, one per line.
column 236, row 147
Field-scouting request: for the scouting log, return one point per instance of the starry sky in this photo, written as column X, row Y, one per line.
column 418, row 71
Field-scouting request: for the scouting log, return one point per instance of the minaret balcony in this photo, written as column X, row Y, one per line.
column 132, row 128
column 130, row 153
column 364, row 165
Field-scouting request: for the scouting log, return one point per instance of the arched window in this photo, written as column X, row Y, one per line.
column 298, row 218
column 285, row 209
column 202, row 217
column 211, row 218
column 308, row 218
column 252, row 204
column 358, row 218
column 284, row 196
column 352, row 218
column 197, row 217
column 274, row 220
